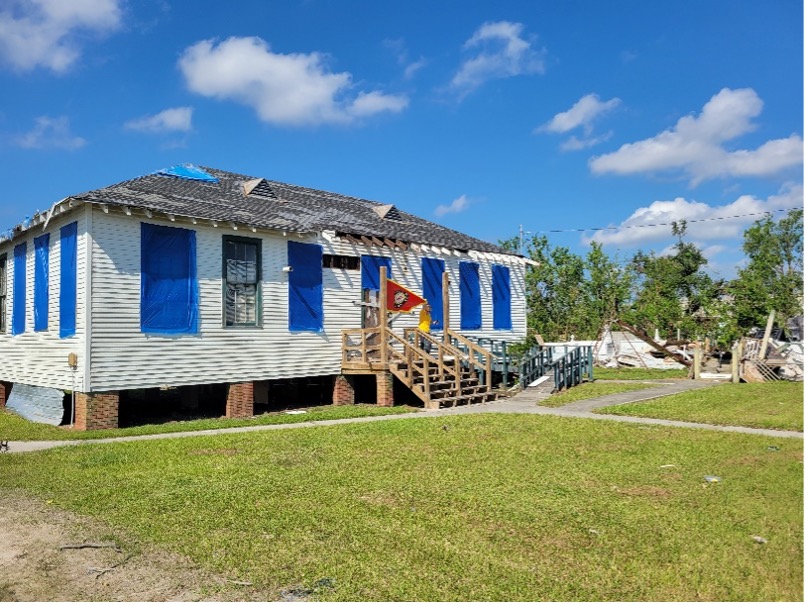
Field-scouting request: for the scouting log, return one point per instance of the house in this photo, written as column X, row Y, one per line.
column 193, row 277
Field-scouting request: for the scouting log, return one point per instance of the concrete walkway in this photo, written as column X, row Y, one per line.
column 524, row 402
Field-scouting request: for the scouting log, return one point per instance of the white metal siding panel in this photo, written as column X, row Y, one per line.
column 40, row 358
column 124, row 358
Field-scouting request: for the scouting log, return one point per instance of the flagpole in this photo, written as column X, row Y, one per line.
column 382, row 314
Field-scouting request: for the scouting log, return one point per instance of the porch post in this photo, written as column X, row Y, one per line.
column 446, row 307
column 382, row 316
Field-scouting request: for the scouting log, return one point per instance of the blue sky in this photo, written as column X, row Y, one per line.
column 483, row 116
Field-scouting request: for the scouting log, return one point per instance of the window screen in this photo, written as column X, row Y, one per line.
column 242, row 275
column 433, row 268
column 502, row 298
column 169, row 290
column 470, row 296
column 41, row 281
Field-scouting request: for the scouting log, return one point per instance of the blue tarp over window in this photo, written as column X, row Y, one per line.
column 18, row 313
column 371, row 271
column 169, row 290
column 433, row 268
column 41, row 279
column 502, row 298
column 470, row 296
column 305, row 294
column 68, row 256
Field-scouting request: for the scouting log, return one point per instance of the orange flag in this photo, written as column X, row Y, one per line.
column 400, row 299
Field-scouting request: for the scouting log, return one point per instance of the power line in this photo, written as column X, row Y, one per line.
column 700, row 220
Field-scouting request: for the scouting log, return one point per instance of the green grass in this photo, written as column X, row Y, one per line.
column 637, row 374
column 589, row 390
column 487, row 507
column 16, row 428
column 769, row 405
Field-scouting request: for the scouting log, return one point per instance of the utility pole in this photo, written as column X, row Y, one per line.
column 521, row 233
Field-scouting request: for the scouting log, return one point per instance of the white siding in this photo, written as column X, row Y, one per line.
column 40, row 358
column 123, row 357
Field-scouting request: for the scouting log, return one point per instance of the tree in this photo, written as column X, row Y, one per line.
column 570, row 296
column 773, row 277
column 674, row 292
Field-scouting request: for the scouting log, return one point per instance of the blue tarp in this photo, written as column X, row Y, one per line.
column 502, row 298
column 68, row 260
column 371, row 271
column 469, row 296
column 305, row 294
column 41, row 281
column 169, row 290
column 18, row 313
column 188, row 171
column 433, row 268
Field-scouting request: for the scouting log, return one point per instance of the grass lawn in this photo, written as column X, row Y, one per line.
column 589, row 390
column 488, row 507
column 768, row 405
column 637, row 374
column 16, row 428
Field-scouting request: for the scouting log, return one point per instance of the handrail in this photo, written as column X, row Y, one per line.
column 568, row 370
column 482, row 352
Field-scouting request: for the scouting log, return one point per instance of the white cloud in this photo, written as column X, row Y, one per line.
column 503, row 53
column 575, row 144
column 746, row 208
column 398, row 48
column 583, row 112
column 175, row 119
column 695, row 144
column 291, row 90
column 43, row 33
column 51, row 133
column 460, row 204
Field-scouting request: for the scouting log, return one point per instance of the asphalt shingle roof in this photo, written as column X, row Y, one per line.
column 295, row 208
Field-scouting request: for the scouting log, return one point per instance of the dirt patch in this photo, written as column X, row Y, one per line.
column 33, row 567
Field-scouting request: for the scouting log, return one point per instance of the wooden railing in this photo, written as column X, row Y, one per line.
column 572, row 367
column 474, row 354
column 567, row 369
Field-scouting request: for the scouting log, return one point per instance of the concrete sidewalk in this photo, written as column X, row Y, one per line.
column 524, row 402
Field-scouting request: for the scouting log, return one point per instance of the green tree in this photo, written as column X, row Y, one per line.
column 568, row 295
column 773, row 276
column 674, row 292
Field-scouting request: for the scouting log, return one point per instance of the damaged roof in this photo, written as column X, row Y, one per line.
column 262, row 203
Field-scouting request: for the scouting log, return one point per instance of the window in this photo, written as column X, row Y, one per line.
column 469, row 296
column 305, row 293
column 242, row 275
column 433, row 268
column 18, row 312
column 169, row 290
column 370, row 288
column 336, row 261
column 41, row 281
column 3, row 290
column 67, row 280
column 502, row 298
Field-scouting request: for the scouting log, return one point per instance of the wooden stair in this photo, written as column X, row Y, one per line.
column 444, row 385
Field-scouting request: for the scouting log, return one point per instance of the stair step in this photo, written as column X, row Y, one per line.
column 466, row 399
